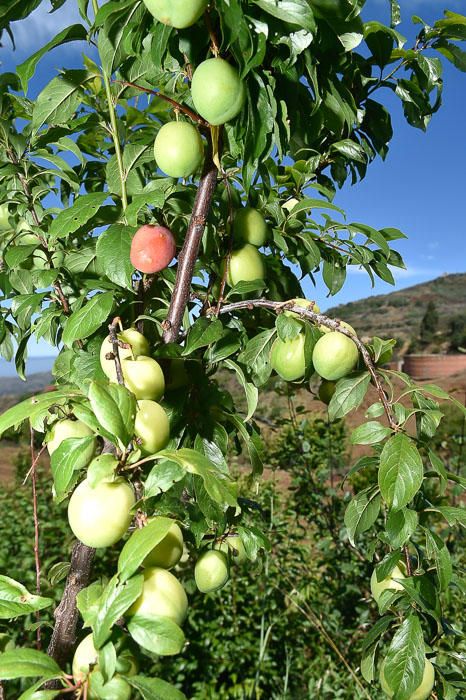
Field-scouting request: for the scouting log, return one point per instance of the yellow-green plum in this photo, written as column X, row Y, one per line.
column 218, row 92
column 138, row 346
column 151, row 427
column 144, row 377
column 178, row 149
column 246, row 264
column 114, row 689
column 167, row 553
column 234, row 547
column 334, row 356
column 249, row 226
column 100, row 516
column 288, row 359
column 388, row 583
column 67, row 428
column 325, row 329
column 422, row 692
column 85, row 656
column 4, row 216
column 162, row 596
column 211, row 571
column 85, row 663
column 304, row 304
column 176, row 13
column 326, row 391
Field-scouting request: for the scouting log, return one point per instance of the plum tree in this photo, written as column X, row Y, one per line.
column 218, row 92
column 326, row 391
column 288, row 358
column 422, row 692
column 167, row 553
column 249, row 226
column 246, row 264
column 67, row 428
column 211, row 571
column 334, row 356
column 388, row 583
column 178, row 149
column 138, row 345
column 151, row 427
column 99, row 516
column 176, row 13
column 152, row 248
column 144, row 377
column 162, row 596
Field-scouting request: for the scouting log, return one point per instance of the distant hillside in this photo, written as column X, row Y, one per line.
column 13, row 386
column 399, row 314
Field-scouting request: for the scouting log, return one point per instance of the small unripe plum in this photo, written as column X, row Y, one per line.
column 151, row 426
column 422, row 692
column 167, row 553
column 211, row 571
column 218, row 92
column 85, row 656
column 152, row 248
column 334, row 356
column 304, row 304
column 100, row 516
column 176, row 13
column 388, row 583
column 130, row 336
column 144, row 377
column 249, row 226
column 234, row 547
column 4, row 215
column 326, row 391
column 162, row 595
column 178, row 149
column 288, row 359
column 325, row 329
column 246, row 264
column 64, row 429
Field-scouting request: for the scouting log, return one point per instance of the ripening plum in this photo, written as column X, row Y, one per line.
column 288, row 359
column 67, row 428
column 334, row 356
column 388, row 583
column 178, row 149
column 422, row 692
column 168, row 552
column 249, row 226
column 211, row 571
column 144, row 377
column 176, row 13
column 151, row 427
column 246, row 264
column 217, row 90
column 152, row 248
column 162, row 596
column 130, row 336
column 100, row 516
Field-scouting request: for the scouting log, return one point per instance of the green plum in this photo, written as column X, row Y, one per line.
column 334, row 356
column 138, row 345
column 178, row 149
column 211, row 571
column 288, row 359
column 162, row 596
column 422, row 692
column 151, row 427
column 218, row 92
column 168, row 552
column 246, row 264
column 176, row 13
column 249, row 226
column 67, row 428
column 388, row 583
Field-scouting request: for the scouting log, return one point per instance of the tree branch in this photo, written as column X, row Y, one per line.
column 188, row 255
column 280, row 306
column 177, row 105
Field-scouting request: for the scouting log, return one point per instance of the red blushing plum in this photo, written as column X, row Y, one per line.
column 152, row 248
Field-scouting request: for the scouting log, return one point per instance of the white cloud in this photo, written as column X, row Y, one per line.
column 412, row 272
column 36, row 30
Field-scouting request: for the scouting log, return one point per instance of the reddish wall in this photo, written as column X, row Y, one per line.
column 430, row 366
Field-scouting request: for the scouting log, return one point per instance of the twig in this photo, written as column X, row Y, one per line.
column 407, row 560
column 214, row 44
column 177, row 105
column 229, row 228
column 36, row 530
column 320, row 319
column 190, row 250
column 116, row 353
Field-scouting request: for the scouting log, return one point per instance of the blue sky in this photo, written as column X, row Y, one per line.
column 419, row 188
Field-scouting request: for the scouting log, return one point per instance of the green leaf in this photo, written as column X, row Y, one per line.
column 256, row 356
column 113, row 254
column 203, row 332
column 16, row 600
column 162, row 477
column 453, row 515
column 349, row 394
column 400, row 526
column 362, row 512
column 369, row 433
column 295, row 11
column 437, row 550
column 26, row 70
column 71, row 219
column 34, row 406
column 69, row 457
column 252, row 393
column 87, row 602
column 27, row 663
column 140, row 544
column 59, row 100
column 155, row 689
column 401, row 471
column 405, row 660
column 107, row 410
column 34, row 693
column 159, row 635
column 83, row 323
column 102, row 467
column 114, row 602
column 370, row 644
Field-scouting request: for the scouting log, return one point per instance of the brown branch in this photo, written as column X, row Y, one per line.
column 229, row 228
column 188, row 255
column 214, row 44
column 407, row 560
column 320, row 319
column 177, row 105
column 116, row 353
column 36, row 530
